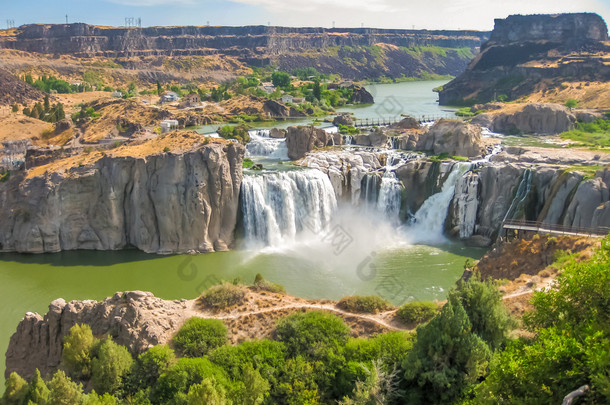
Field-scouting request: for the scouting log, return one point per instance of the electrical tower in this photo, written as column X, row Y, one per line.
column 10, row 24
column 129, row 21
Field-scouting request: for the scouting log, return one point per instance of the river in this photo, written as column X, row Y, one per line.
column 373, row 258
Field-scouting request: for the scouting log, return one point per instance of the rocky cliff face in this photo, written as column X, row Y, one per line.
column 301, row 140
column 353, row 53
column 535, row 118
column 136, row 320
column 165, row 203
column 452, row 137
column 527, row 52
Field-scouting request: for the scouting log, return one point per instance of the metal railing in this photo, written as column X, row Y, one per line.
column 542, row 227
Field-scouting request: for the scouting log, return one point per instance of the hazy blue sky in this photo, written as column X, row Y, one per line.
column 432, row 14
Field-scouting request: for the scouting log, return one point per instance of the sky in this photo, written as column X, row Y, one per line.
column 419, row 14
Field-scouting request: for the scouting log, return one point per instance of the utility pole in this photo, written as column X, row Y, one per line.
column 66, row 19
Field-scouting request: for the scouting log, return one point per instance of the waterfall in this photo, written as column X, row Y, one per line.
column 348, row 140
column 523, row 192
column 276, row 207
column 369, row 189
column 390, row 196
column 262, row 145
column 429, row 220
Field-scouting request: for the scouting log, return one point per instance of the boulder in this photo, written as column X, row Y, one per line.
column 406, row 123
column 378, row 138
column 303, row 139
column 483, row 120
column 587, row 116
column 535, row 118
column 361, row 95
column 362, row 140
column 277, row 133
column 344, row 119
column 63, row 125
column 453, row 137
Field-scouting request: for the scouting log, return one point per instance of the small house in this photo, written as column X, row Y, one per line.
column 287, row 98
column 267, row 87
column 170, row 97
column 191, row 100
column 117, row 94
column 168, row 125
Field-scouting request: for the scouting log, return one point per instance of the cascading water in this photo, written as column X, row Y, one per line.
column 390, row 196
column 261, row 144
column 278, row 206
column 429, row 220
column 523, row 192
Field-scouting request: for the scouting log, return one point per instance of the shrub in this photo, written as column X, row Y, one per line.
column 166, row 149
column 417, row 312
column 370, row 304
column 109, row 367
column 182, row 376
column 267, row 355
column 312, row 333
column 571, row 103
column 248, row 163
column 77, row 353
column 198, row 336
column 223, row 296
column 150, row 365
column 63, row 390
column 260, row 284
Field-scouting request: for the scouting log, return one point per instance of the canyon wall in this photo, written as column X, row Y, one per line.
column 526, row 53
column 357, row 53
column 166, row 203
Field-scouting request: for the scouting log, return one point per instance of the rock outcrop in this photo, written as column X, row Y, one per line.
column 361, row 95
column 162, row 203
column 303, row 139
column 452, row 137
column 135, row 319
column 13, row 90
column 527, row 53
column 344, row 119
column 535, row 118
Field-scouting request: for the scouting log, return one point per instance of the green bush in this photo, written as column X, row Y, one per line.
column 267, row 355
column 182, row 376
column 198, row 336
column 62, row 390
column 150, row 365
column 312, row 334
column 248, row 163
column 77, row 353
column 109, row 367
column 260, row 284
column 417, row 312
column 370, row 304
column 223, row 296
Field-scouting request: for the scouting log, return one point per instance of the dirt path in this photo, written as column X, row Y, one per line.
column 378, row 318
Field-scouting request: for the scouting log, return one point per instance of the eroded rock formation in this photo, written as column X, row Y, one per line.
column 164, row 203
column 135, row 319
column 303, row 139
column 535, row 118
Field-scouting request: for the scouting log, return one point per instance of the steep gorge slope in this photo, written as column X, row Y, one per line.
column 532, row 53
column 192, row 52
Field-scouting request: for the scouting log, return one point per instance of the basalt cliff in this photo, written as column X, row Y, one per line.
column 163, row 52
column 159, row 201
column 533, row 53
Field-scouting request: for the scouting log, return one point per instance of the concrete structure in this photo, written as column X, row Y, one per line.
column 168, row 125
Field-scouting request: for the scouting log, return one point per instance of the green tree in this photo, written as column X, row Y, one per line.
column 38, row 392
column 280, row 79
column 77, row 353
column 208, row 392
column 256, row 387
column 446, row 358
column 94, row 399
column 150, row 365
column 312, row 334
column 47, row 106
column 109, row 367
column 15, row 391
column 159, row 89
column 15, row 108
column 571, row 103
column 198, row 336
column 317, row 90
column 64, row 391
column 487, row 314
column 297, row 384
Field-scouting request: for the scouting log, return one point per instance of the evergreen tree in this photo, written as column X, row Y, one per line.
column 47, row 106
column 113, row 361
column 64, row 391
column 78, row 348
column 446, row 358
column 38, row 393
column 317, row 90
column 15, row 391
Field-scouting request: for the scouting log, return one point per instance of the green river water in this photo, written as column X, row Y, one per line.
column 401, row 272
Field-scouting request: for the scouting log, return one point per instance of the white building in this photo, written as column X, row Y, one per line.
column 168, row 125
column 286, row 98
